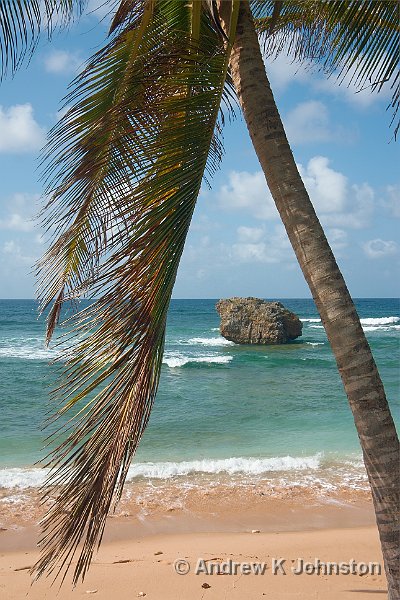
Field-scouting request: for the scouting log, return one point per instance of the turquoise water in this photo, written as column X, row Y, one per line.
column 220, row 407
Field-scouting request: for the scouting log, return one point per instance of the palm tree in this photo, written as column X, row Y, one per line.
column 123, row 171
column 360, row 377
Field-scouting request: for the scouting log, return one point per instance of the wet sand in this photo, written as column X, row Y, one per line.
column 137, row 557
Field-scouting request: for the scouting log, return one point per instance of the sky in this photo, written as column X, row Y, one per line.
column 342, row 143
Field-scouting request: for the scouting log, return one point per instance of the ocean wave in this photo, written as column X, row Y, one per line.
column 381, row 328
column 368, row 323
column 27, row 353
column 219, row 341
column 33, row 478
column 315, row 343
column 231, row 466
column 22, row 478
column 310, row 320
column 180, row 361
column 31, row 348
column 380, row 321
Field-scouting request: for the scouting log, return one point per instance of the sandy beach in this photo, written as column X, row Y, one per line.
column 296, row 549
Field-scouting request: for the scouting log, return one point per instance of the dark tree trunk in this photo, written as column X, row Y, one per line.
column 361, row 380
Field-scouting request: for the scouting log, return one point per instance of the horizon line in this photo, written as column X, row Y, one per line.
column 242, row 296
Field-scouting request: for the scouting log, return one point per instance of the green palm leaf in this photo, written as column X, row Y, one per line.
column 360, row 37
column 21, row 22
column 123, row 181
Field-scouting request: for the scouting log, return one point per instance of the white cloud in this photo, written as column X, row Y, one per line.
column 62, row 62
column 19, row 132
column 380, row 248
column 251, row 252
column 337, row 239
column 392, row 200
column 256, row 245
column 13, row 249
column 203, row 223
column 283, row 72
column 253, row 245
column 16, row 222
column 349, row 89
column 326, row 187
column 19, row 212
column 337, row 203
column 309, row 122
column 248, row 192
column 250, row 234
column 358, row 209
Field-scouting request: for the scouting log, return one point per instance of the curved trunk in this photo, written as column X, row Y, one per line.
column 356, row 365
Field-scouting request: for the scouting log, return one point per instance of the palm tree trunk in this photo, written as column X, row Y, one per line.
column 361, row 380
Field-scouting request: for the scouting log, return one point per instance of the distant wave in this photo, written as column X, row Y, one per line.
column 364, row 321
column 31, row 348
column 380, row 321
column 28, row 349
column 310, row 320
column 180, row 361
column 371, row 324
column 381, row 328
column 219, row 341
column 27, row 353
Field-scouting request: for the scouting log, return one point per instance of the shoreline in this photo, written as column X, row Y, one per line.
column 205, row 499
column 138, row 555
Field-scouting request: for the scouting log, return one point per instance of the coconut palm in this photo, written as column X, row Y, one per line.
column 123, row 169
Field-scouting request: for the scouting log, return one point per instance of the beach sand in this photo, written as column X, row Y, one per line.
column 138, row 554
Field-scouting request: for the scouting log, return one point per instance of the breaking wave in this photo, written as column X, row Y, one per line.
column 219, row 341
column 180, row 361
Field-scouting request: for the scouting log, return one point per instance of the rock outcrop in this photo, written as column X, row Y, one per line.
column 255, row 321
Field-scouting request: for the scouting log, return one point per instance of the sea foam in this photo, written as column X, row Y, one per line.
column 370, row 321
column 31, row 348
column 180, row 361
column 218, row 341
column 380, row 321
column 247, row 466
column 22, row 478
column 310, row 320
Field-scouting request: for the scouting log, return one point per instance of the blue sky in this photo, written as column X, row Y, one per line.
column 236, row 245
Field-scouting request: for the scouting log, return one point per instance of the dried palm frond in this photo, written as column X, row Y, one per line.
column 127, row 162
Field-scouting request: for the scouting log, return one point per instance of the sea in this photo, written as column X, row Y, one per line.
column 275, row 416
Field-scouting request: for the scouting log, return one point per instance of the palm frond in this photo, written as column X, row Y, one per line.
column 21, row 22
column 354, row 38
column 123, row 180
